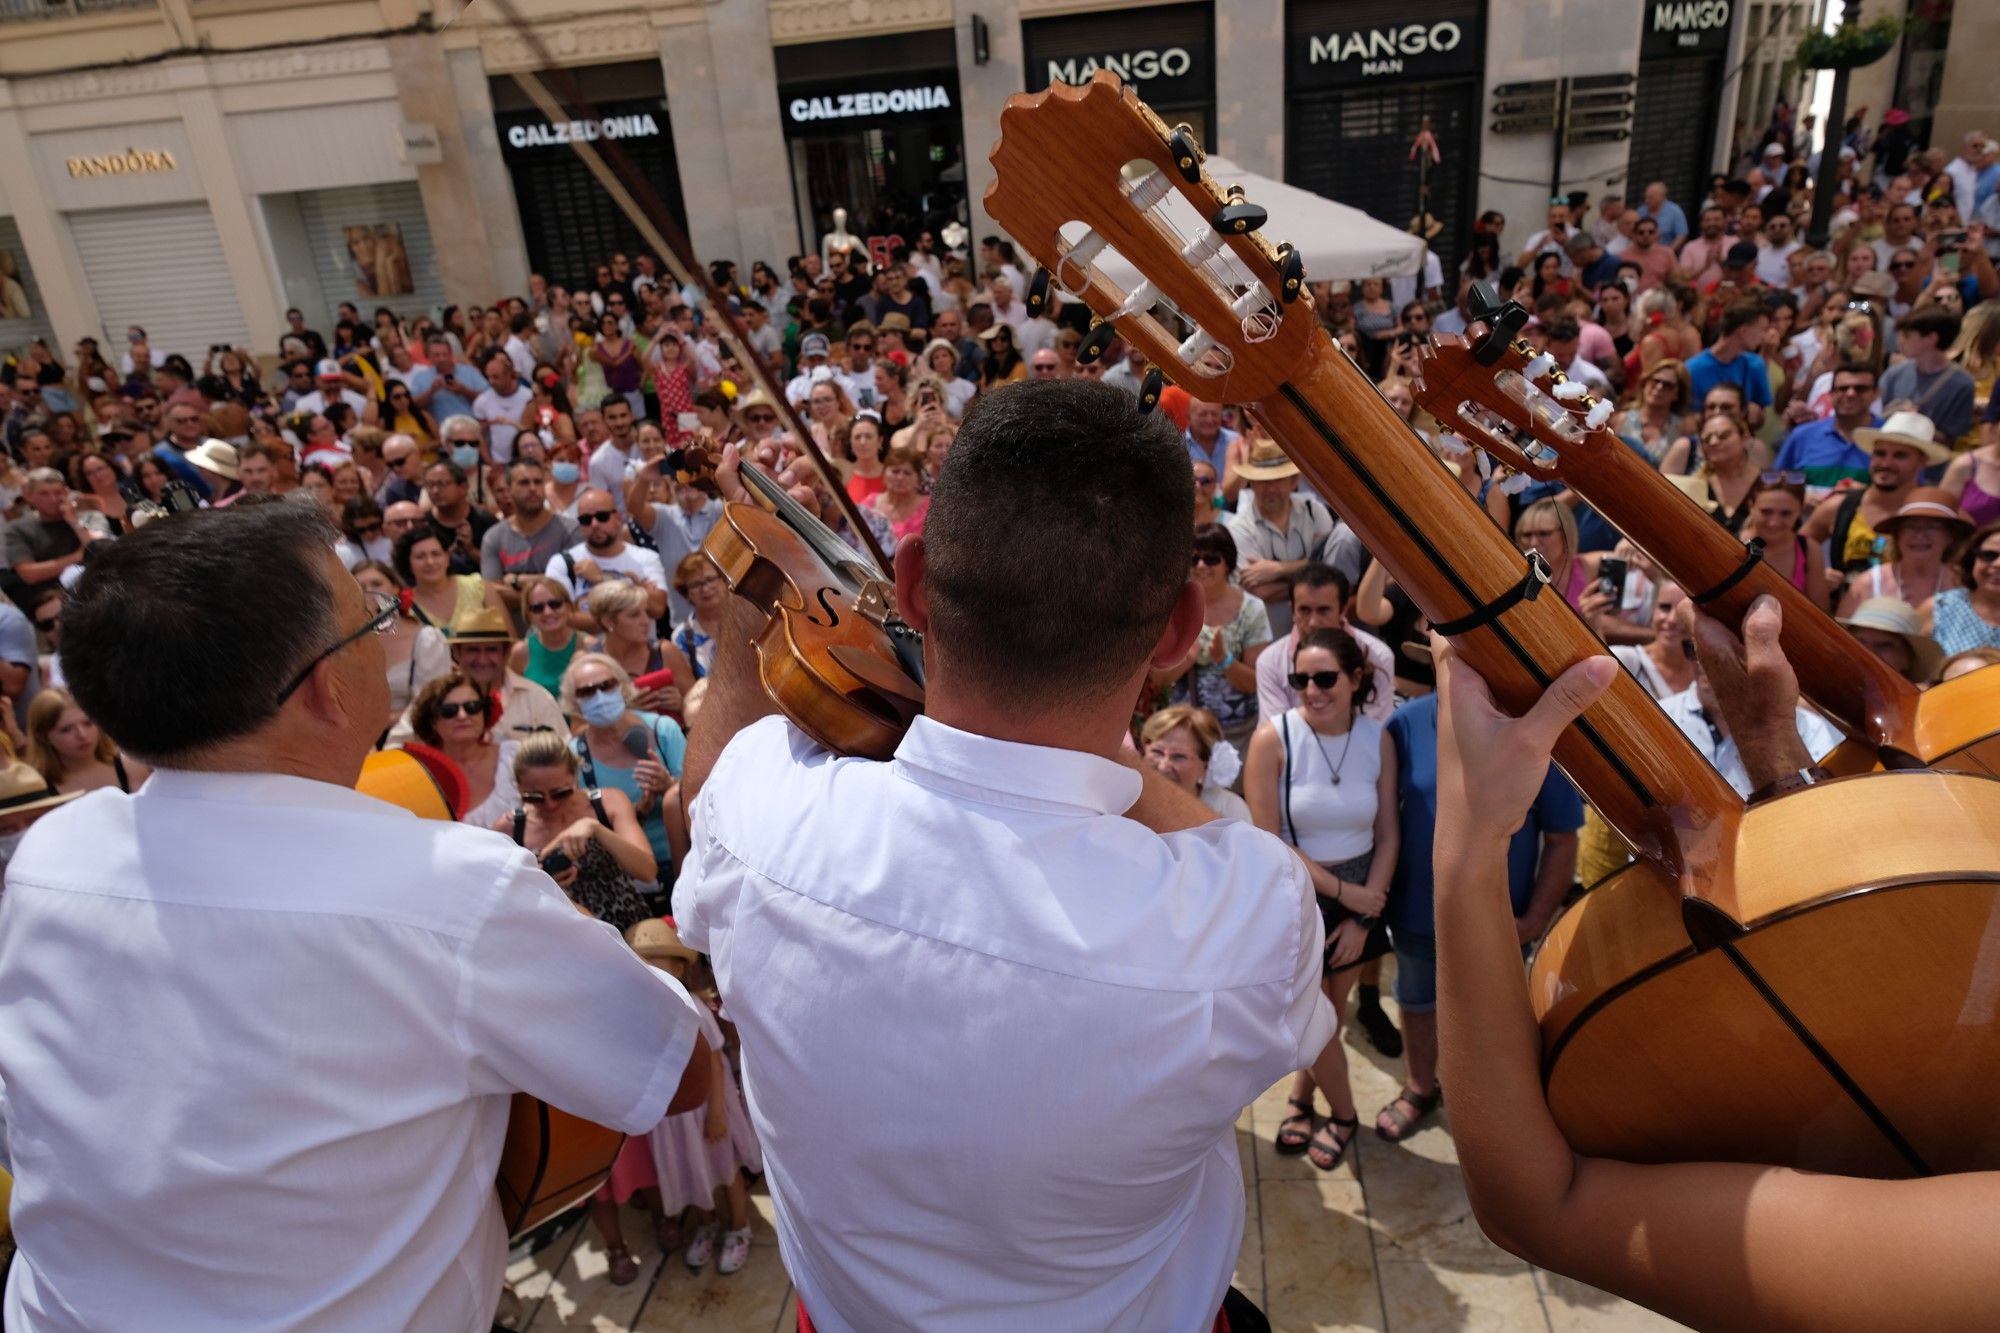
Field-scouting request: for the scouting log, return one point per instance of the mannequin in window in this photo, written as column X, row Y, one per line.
column 838, row 239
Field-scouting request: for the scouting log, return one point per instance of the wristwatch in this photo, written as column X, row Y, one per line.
column 1809, row 776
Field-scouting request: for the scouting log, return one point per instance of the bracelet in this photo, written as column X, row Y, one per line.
column 1340, row 891
column 1226, row 663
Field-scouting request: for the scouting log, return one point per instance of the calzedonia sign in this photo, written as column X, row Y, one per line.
column 856, row 106
column 545, row 133
column 822, row 107
column 1328, row 46
column 1686, row 28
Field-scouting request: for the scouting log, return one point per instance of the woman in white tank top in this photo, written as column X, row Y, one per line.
column 1323, row 778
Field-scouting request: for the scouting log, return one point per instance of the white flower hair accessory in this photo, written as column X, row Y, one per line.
column 1223, row 765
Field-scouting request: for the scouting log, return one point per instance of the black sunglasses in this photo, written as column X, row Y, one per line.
column 1326, row 680
column 601, row 687
column 597, row 516
column 1208, row 558
column 367, row 529
column 471, row 708
column 542, row 608
column 549, row 797
column 1985, row 557
column 48, row 626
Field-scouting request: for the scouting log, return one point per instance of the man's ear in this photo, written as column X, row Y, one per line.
column 912, row 596
column 1183, row 627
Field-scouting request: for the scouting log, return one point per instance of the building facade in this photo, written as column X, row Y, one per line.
column 196, row 167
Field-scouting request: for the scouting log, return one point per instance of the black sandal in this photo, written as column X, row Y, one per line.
column 1422, row 1104
column 1340, row 1143
column 1292, row 1147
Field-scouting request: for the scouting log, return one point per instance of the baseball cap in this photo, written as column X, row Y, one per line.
column 329, row 369
column 815, row 344
column 1741, row 255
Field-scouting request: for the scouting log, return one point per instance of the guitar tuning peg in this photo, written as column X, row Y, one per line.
column 1095, row 342
column 1038, row 293
column 1291, row 273
column 1150, row 389
column 1187, row 153
column 1239, row 216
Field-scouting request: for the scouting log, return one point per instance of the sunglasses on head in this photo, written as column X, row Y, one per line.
column 1208, row 558
column 597, row 516
column 601, row 687
column 471, row 708
column 1326, row 680
column 547, row 797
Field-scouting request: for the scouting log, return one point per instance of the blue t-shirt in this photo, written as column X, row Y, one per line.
column 1673, row 222
column 445, row 403
column 1557, row 809
column 672, row 743
column 1819, row 450
column 1746, row 372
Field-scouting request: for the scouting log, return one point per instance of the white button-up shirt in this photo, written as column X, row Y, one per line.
column 260, row 1039
column 1720, row 750
column 996, row 1036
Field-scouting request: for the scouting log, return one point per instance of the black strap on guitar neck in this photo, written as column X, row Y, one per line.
column 1527, row 590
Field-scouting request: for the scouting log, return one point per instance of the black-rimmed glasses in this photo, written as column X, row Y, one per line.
column 385, row 606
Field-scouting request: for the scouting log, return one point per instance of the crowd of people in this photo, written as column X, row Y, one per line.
column 505, row 485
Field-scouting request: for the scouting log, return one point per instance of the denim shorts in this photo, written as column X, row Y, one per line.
column 1416, row 971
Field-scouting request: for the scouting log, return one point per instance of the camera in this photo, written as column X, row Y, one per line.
column 556, row 862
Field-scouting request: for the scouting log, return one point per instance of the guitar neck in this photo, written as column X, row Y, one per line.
column 1627, row 757
column 1858, row 690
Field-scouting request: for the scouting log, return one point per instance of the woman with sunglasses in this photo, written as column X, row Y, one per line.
column 402, row 415
column 1322, row 776
column 1726, row 479
column 1220, row 673
column 609, row 749
column 1969, row 617
column 545, row 653
column 1654, row 419
column 1777, row 508
column 1921, row 533
column 1004, row 363
column 454, row 715
column 1208, row 506
column 610, row 863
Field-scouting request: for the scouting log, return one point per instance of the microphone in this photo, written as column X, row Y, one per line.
column 636, row 741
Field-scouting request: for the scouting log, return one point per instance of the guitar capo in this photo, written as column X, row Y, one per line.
column 1530, row 587
column 1503, row 319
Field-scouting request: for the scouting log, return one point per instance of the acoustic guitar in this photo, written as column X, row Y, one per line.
column 1761, row 985
column 1501, row 395
column 551, row 1160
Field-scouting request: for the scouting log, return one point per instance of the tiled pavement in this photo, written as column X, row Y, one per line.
column 1385, row 1242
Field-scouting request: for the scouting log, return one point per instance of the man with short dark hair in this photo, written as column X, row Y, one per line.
column 48, row 538
column 1825, row 450
column 1089, row 916
column 678, row 531
column 184, row 434
column 612, row 458
column 463, row 524
column 1736, row 358
column 1655, row 259
column 520, row 546
column 1701, row 256
column 390, row 983
column 1927, row 376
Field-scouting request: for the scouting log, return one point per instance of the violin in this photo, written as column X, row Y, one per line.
column 1760, row 984
column 833, row 654
column 1495, row 391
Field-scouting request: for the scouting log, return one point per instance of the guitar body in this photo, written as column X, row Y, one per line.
column 1835, row 1011
column 1957, row 727
column 551, row 1160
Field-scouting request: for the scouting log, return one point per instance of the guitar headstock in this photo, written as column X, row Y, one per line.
column 1083, row 172
column 1502, row 395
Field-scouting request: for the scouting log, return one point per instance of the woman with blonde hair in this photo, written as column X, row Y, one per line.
column 1723, row 480
column 1653, row 417
column 629, row 639
column 1184, row 744
column 607, row 865
column 71, row 752
column 544, row 653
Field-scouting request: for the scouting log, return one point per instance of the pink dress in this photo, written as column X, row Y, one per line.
column 689, row 1168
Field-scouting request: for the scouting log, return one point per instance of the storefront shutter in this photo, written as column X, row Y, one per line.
column 162, row 268
column 328, row 213
column 15, row 332
column 1673, row 126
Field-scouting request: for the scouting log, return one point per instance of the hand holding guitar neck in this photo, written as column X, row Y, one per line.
column 1755, row 687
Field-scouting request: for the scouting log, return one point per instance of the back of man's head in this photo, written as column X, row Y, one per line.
column 1741, row 314
column 1057, row 542
column 1934, row 320
column 179, row 637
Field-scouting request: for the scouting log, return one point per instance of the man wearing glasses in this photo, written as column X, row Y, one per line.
column 1824, row 450
column 307, row 1011
column 605, row 554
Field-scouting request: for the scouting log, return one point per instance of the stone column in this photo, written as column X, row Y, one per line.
column 453, row 200
column 1250, row 85
column 982, row 91
column 67, row 303
column 486, row 170
column 262, row 300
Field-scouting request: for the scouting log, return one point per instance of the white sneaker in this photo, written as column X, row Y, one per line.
column 701, row 1247
column 735, row 1251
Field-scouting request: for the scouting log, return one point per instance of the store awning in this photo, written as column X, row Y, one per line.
column 1338, row 241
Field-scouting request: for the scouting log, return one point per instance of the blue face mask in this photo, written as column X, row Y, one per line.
column 566, row 474
column 465, row 455
column 601, row 710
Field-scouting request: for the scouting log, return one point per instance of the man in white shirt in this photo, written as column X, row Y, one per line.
column 611, row 460
column 304, row 1011
column 994, row 1057
column 1774, row 251
column 332, row 381
column 605, row 554
column 1319, row 592
column 500, row 406
column 1696, row 713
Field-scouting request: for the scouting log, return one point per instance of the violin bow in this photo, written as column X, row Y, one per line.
column 643, row 209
